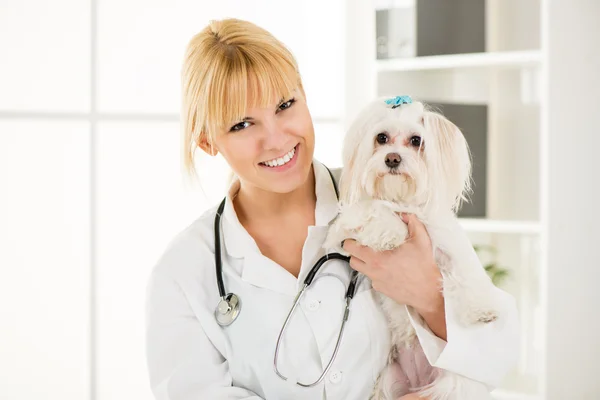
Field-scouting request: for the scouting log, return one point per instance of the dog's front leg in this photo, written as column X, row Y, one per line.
column 466, row 284
column 468, row 289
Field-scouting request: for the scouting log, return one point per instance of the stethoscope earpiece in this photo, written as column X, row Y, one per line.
column 228, row 309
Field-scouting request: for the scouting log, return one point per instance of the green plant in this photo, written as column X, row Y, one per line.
column 496, row 273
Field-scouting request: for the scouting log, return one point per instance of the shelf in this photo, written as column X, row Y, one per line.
column 388, row 4
column 452, row 61
column 499, row 226
column 500, row 394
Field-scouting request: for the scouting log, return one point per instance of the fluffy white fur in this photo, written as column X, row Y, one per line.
column 430, row 180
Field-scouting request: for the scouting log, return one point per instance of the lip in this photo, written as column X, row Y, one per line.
column 285, row 167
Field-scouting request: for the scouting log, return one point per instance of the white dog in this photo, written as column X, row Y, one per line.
column 400, row 156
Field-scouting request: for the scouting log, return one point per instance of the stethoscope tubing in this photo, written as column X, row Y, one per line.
column 229, row 306
column 307, row 282
column 218, row 262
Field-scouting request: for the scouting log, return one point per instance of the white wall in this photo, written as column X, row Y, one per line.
column 571, row 209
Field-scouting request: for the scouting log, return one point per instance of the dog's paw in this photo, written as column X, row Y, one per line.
column 480, row 316
column 487, row 316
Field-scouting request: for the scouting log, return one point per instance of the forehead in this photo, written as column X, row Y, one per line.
column 257, row 102
column 254, row 98
column 407, row 117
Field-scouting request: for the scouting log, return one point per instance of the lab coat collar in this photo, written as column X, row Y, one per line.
column 259, row 270
column 327, row 201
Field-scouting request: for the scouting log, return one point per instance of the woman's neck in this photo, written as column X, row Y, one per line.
column 255, row 204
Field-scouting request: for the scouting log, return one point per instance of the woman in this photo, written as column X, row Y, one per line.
column 243, row 98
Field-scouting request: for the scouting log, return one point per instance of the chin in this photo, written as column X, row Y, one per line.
column 408, row 158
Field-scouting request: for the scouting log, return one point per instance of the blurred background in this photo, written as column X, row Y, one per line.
column 91, row 188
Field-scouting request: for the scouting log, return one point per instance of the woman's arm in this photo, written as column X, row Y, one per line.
column 182, row 362
column 484, row 352
column 435, row 317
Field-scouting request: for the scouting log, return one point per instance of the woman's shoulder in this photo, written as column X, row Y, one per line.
column 189, row 251
column 336, row 172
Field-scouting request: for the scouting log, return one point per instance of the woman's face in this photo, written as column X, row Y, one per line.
column 272, row 148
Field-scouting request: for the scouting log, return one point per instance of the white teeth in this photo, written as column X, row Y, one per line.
column 281, row 160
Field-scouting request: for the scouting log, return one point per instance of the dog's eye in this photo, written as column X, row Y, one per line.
column 415, row 141
column 382, row 138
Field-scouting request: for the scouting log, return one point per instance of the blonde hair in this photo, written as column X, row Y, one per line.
column 229, row 66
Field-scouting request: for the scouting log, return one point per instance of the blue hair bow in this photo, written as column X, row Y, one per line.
column 398, row 101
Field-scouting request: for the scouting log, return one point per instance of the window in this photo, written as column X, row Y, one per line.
column 91, row 189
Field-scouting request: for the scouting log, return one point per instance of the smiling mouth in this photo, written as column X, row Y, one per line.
column 278, row 162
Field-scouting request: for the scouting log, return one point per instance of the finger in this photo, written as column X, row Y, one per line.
column 358, row 265
column 404, row 217
column 416, row 229
column 357, row 250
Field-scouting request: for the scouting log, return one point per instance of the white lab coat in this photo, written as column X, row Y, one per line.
column 190, row 357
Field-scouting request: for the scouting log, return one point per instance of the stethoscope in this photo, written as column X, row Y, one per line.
column 230, row 305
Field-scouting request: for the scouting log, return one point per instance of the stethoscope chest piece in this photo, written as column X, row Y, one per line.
column 228, row 309
column 229, row 306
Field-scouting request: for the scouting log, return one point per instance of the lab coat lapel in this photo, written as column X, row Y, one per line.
column 257, row 269
column 263, row 272
column 325, row 211
column 311, row 252
column 327, row 202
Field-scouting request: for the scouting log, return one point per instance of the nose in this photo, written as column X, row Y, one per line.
column 392, row 160
column 274, row 136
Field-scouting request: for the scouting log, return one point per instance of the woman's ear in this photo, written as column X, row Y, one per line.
column 206, row 145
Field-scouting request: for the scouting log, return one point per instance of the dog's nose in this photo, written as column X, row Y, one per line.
column 392, row 160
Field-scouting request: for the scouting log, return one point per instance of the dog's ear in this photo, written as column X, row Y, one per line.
column 345, row 178
column 449, row 161
column 349, row 181
column 354, row 156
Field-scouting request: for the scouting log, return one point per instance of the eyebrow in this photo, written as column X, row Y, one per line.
column 283, row 100
column 243, row 119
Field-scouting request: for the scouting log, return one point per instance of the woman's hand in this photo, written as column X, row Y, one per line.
column 408, row 274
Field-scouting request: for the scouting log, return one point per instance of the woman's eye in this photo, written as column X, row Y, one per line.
column 240, row 126
column 382, row 138
column 286, row 105
column 415, row 141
